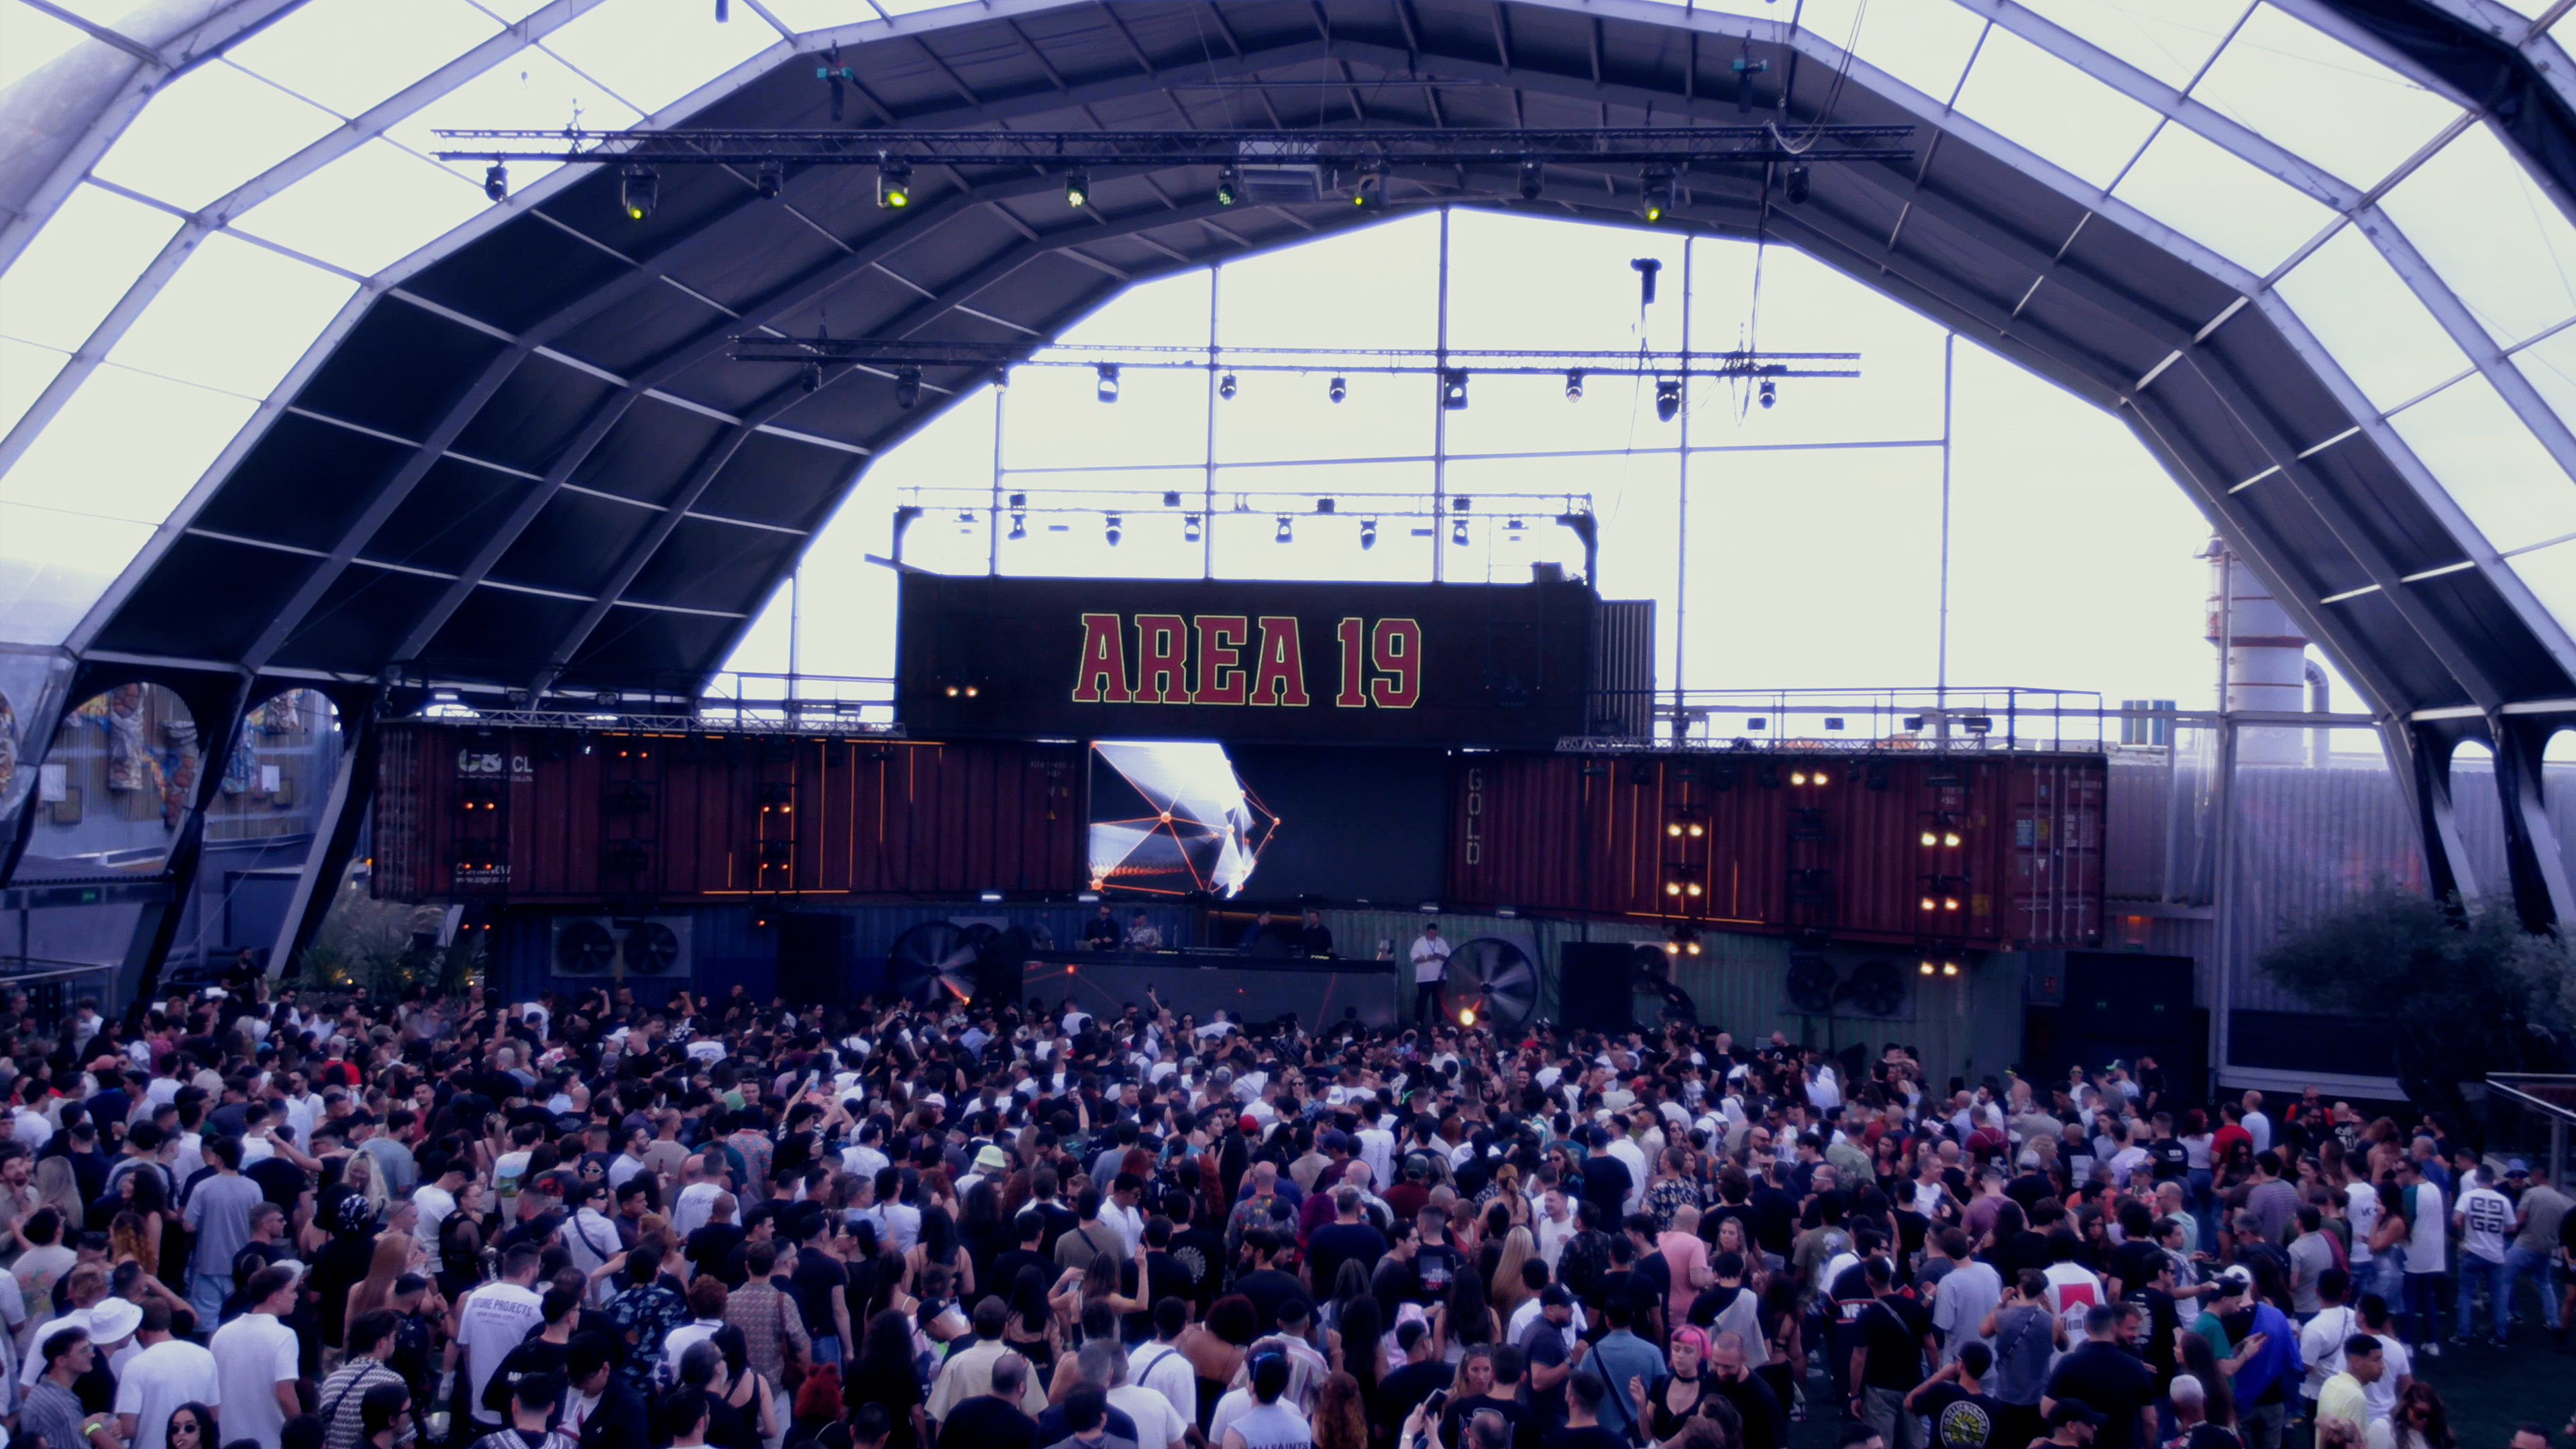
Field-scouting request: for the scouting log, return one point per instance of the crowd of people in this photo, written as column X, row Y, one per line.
column 592, row 1222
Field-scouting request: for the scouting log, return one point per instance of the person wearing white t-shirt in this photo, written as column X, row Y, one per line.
column 1430, row 969
column 1158, row 1424
column 2427, row 1244
column 2485, row 1218
column 166, row 1373
column 492, row 1320
column 255, row 1361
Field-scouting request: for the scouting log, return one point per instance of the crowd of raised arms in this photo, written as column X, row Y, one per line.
column 598, row 1222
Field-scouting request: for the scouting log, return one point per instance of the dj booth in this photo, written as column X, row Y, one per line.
column 1260, row 988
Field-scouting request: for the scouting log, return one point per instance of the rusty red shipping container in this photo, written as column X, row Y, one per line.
column 535, row 815
column 1981, row 852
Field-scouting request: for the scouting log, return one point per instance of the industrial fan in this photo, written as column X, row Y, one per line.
column 1876, row 989
column 652, row 949
column 939, row 962
column 1811, row 984
column 584, row 948
column 1493, row 981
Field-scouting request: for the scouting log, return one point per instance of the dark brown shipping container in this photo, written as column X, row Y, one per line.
column 537, row 815
column 1858, row 847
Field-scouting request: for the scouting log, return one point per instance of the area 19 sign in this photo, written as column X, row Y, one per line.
column 1472, row 664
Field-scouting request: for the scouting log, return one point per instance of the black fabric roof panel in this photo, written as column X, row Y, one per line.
column 575, row 543
column 743, row 276
column 453, row 510
column 649, row 452
column 363, row 615
column 2396, row 522
column 2398, row 651
column 641, row 642
column 2469, row 605
column 304, row 482
column 398, row 369
column 205, row 599
column 641, row 330
column 708, row 565
column 516, row 274
column 778, row 480
column 688, row 199
column 536, row 412
column 501, row 634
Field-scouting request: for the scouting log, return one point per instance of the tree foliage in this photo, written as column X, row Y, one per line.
column 2461, row 993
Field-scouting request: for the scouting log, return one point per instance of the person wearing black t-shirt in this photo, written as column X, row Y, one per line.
column 1850, row 1296
column 993, row 1420
column 1401, row 1392
column 1894, row 1341
column 2156, row 1318
column 1508, row 1366
column 1584, row 1394
column 2116, row 1383
column 1955, row 1400
column 2165, row 1155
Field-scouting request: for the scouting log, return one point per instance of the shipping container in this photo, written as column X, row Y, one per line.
column 1966, row 851
column 531, row 815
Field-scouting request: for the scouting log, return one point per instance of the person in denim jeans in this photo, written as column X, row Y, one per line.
column 2485, row 1221
column 2534, row 1250
column 2427, row 1248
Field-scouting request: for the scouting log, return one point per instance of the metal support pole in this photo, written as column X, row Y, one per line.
column 158, row 925
column 2222, row 798
column 1681, row 513
column 1941, row 664
column 335, row 832
column 2532, row 864
column 1440, row 421
column 1207, row 486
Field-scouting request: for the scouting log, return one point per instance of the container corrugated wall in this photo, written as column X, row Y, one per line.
column 544, row 815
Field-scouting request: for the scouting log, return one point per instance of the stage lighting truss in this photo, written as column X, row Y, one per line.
column 954, row 367
column 1282, row 165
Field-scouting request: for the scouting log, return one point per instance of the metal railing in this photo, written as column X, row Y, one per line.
column 1998, row 719
column 54, row 987
column 2528, row 1114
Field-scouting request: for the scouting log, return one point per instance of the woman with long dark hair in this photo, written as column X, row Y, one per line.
column 939, row 1247
column 985, row 1232
column 884, row 1374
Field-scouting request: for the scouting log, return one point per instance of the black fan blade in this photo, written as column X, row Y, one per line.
column 651, row 949
column 584, row 947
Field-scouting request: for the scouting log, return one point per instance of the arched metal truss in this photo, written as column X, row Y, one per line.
column 516, row 460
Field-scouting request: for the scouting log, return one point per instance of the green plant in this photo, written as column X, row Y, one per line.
column 2461, row 993
column 386, row 946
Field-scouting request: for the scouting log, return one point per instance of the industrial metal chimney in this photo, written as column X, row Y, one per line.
column 2263, row 657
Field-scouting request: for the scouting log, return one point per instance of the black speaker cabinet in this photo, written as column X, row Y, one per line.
column 1595, row 988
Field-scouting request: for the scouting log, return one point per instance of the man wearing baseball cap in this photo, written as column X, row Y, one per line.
column 2072, row 1422
column 2237, row 1322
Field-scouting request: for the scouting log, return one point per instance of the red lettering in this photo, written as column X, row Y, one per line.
column 1396, row 649
column 1353, row 634
column 1104, row 660
column 1162, row 650
column 1221, row 639
column 1283, row 664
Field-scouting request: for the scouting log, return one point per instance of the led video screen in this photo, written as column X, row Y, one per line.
column 1267, row 823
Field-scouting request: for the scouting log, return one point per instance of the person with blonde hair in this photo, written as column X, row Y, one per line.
column 1508, row 1289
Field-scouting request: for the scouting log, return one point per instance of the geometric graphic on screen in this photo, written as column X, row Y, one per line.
column 1177, row 820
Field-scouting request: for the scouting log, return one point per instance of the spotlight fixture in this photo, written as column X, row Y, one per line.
column 1019, row 526
column 1797, row 184
column 1646, row 268
column 1574, row 387
column 1229, row 187
column 1283, row 536
column 1368, row 534
column 1925, row 968
column 496, row 182
column 1108, row 388
column 1077, row 189
column 1338, row 389
column 1949, row 903
column 1949, row 968
column 769, row 180
column 1019, row 500
column 894, row 184
column 1225, row 387
column 1453, row 388
column 1659, row 192
column 1189, row 528
column 1797, row 777
column 1930, row 839
column 1533, row 177
column 639, row 187
column 1458, row 533
column 1458, row 504
column 1171, row 498
column 1951, row 839
column 1323, row 505
column 811, row 378
column 1770, row 392
column 907, row 387
column 1370, row 173
column 1668, row 398
column 1111, row 529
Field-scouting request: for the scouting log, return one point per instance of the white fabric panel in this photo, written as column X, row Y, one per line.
column 2362, row 311
column 208, row 132
column 1924, row 43
column 79, row 265
column 31, row 40
column 530, row 91
column 2493, row 234
column 2320, row 99
column 235, row 318
column 369, row 209
column 350, row 55
column 2063, row 115
column 2168, row 39
column 2192, row 185
column 652, row 52
column 2491, row 464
